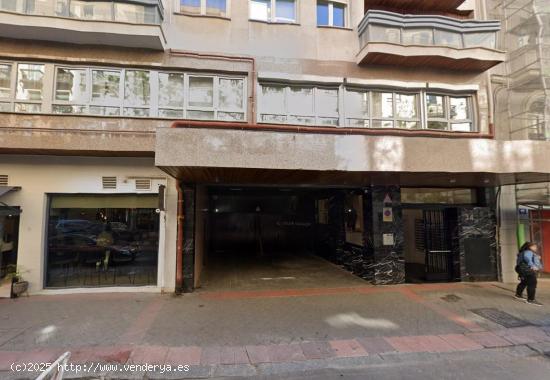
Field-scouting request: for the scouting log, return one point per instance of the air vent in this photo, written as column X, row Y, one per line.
column 109, row 183
column 3, row 180
column 143, row 184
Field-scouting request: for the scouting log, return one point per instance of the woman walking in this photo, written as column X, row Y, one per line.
column 527, row 266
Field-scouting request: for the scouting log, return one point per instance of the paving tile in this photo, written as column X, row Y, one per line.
column 285, row 353
column 460, row 342
column 348, row 348
column 211, row 355
column 375, row 345
column 523, row 335
column 110, row 355
column 258, row 354
column 148, row 355
column 488, row 339
column 422, row 343
column 317, row 350
column 40, row 356
column 7, row 358
column 233, row 355
column 183, row 355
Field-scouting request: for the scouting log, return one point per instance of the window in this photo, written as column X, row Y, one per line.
column 449, row 113
column 216, row 98
column 304, row 105
column 71, row 90
column 136, row 93
column 377, row 109
column 446, row 38
column 102, row 240
column 417, row 37
column 106, row 92
column 29, row 87
column 204, row 7
column 5, row 87
column 273, row 10
column 331, row 13
column 170, row 95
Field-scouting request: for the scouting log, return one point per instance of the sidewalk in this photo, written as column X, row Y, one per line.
column 267, row 332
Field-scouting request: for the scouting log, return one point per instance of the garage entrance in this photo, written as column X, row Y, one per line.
column 269, row 238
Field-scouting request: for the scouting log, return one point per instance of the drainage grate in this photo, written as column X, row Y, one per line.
column 451, row 298
column 500, row 317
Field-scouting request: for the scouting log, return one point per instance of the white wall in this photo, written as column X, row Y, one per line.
column 39, row 175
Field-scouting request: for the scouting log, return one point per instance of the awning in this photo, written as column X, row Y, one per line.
column 6, row 210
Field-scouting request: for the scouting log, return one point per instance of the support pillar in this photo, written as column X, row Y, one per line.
column 189, row 192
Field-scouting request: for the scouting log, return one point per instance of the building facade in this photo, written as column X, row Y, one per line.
column 138, row 137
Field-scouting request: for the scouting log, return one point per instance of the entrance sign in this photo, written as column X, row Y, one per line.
column 387, row 239
column 387, row 214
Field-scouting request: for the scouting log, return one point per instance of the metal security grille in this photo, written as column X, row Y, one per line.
column 3, row 180
column 437, row 246
column 109, row 183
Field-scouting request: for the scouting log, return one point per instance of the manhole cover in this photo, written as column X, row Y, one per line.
column 500, row 317
column 451, row 298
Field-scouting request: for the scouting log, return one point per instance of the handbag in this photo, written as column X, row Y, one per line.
column 523, row 269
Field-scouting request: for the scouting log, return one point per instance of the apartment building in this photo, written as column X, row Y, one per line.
column 165, row 145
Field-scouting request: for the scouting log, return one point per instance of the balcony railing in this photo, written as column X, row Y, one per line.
column 127, row 11
column 427, row 30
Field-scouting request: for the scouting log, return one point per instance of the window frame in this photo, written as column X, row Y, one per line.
column 202, row 10
column 330, row 4
column 471, row 101
column 16, row 101
column 10, row 100
column 272, row 17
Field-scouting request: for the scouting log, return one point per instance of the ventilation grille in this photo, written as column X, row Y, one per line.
column 3, row 180
column 143, row 184
column 109, row 183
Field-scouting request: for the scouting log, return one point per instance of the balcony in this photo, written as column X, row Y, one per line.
column 388, row 38
column 122, row 23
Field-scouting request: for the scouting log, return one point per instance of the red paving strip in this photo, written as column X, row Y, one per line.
column 347, row 348
column 317, row 350
column 460, row 342
column 245, row 294
column 233, row 355
column 258, row 354
column 488, row 339
column 285, row 353
column 184, row 355
column 376, row 345
column 118, row 355
column 450, row 315
column 523, row 335
column 7, row 358
column 149, row 355
column 137, row 330
column 422, row 343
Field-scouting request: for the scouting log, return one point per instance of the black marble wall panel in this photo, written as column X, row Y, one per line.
column 189, row 193
column 477, row 244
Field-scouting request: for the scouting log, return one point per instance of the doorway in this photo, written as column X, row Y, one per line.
column 9, row 235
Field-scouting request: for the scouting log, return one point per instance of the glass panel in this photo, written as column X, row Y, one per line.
column 446, row 38
column 339, row 15
column 354, row 221
column 276, row 119
column 382, row 104
column 302, row 120
column 91, row 11
column 41, row 7
column 357, row 103
column 383, row 34
column 205, row 115
column 231, row 116
column 5, row 81
column 260, row 10
column 434, row 195
column 13, row 5
column 28, row 107
column 322, row 13
column 326, row 102
column 69, row 109
column 357, row 123
column 231, row 94
column 190, row 6
column 300, row 101
column 487, row 40
column 459, row 109
column 441, row 125
column 436, row 106
column 171, row 90
column 105, row 111
column 461, row 127
column 136, row 88
column 273, row 100
column 5, row 107
column 201, row 91
column 216, row 7
column 171, row 114
column 408, row 124
column 382, row 124
column 328, row 121
column 102, row 241
column 285, row 10
column 406, row 106
column 138, row 112
column 29, row 81
column 105, row 86
column 132, row 13
column 417, row 37
column 70, row 85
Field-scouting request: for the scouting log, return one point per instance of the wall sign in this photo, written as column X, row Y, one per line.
column 387, row 213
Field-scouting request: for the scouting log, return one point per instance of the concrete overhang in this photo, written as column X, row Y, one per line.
column 230, row 156
column 441, row 57
column 83, row 32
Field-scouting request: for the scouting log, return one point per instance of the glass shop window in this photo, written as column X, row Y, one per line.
column 102, row 240
column 353, row 219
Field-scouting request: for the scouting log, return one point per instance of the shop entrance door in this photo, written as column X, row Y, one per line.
column 438, row 245
column 9, row 235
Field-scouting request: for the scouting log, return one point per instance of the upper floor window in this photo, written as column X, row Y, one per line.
column 449, row 113
column 331, row 13
column 273, row 10
column 204, row 7
column 29, row 90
